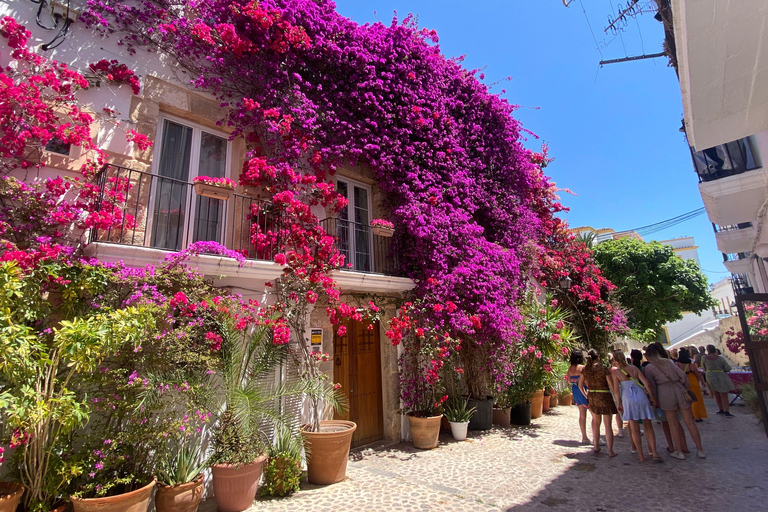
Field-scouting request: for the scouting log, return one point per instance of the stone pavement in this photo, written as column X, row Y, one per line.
column 542, row 468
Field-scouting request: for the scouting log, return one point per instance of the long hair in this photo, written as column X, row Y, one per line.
column 593, row 356
column 684, row 356
column 662, row 351
column 577, row 357
column 637, row 357
column 656, row 357
column 620, row 358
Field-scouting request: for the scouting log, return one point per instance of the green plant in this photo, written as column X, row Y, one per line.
column 244, row 402
column 563, row 392
column 282, row 472
column 44, row 346
column 752, row 400
column 456, row 410
column 188, row 463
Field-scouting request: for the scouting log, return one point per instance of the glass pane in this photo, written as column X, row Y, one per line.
column 213, row 156
column 362, row 231
column 342, row 226
column 209, row 213
column 171, row 187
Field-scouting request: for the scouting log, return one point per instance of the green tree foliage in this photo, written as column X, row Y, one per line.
column 653, row 284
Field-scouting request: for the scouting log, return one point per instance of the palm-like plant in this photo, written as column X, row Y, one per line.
column 243, row 403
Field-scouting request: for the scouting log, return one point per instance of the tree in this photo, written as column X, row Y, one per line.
column 652, row 282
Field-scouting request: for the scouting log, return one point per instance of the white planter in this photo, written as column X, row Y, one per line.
column 459, row 429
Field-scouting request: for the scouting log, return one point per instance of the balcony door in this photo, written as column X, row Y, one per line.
column 353, row 230
column 180, row 216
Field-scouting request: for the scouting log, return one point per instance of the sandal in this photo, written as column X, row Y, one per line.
column 658, row 459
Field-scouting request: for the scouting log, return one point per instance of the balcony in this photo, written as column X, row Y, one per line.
column 365, row 251
column 734, row 238
column 737, row 263
column 740, row 284
column 169, row 216
column 725, row 160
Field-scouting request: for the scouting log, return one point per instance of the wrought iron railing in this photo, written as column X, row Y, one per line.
column 724, row 160
column 364, row 250
column 740, row 284
column 731, row 227
column 736, row 256
column 166, row 213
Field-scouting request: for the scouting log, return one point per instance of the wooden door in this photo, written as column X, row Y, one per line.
column 753, row 315
column 357, row 367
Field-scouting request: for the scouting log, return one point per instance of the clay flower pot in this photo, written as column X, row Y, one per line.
column 134, row 501
column 424, row 431
column 235, row 487
column 501, row 416
column 179, row 498
column 545, row 402
column 329, row 451
column 554, row 401
column 567, row 399
column 537, row 404
column 10, row 494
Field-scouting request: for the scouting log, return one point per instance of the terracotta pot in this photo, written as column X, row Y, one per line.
column 537, row 404
column 235, row 488
column 134, row 501
column 554, row 401
column 10, row 494
column 567, row 399
column 179, row 498
column 61, row 508
column 501, row 417
column 424, row 431
column 329, row 451
column 545, row 403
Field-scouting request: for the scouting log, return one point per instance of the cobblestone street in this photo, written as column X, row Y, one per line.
column 542, row 468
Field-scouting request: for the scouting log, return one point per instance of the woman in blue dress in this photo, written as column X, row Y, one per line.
column 574, row 372
column 634, row 405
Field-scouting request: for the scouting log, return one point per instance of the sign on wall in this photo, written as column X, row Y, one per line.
column 316, row 340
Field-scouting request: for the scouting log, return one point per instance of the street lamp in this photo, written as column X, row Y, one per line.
column 565, row 285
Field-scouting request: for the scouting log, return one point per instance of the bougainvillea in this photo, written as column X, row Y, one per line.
column 596, row 316
column 38, row 106
column 305, row 84
column 116, row 73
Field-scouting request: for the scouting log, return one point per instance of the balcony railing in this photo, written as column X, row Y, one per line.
column 168, row 214
column 731, row 227
column 736, row 256
column 740, row 284
column 366, row 251
column 725, row 160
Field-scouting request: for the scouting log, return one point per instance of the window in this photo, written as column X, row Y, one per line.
column 725, row 160
column 353, row 230
column 185, row 152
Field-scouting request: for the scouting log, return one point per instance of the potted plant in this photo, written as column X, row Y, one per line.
column 10, row 495
column 213, row 187
column 565, row 397
column 180, row 478
column 501, row 410
column 458, row 416
column 553, row 398
column 238, row 456
column 282, row 472
column 381, row 227
column 546, row 399
column 43, row 350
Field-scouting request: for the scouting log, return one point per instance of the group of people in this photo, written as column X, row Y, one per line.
column 665, row 387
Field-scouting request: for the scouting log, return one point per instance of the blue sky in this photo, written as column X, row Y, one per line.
column 613, row 130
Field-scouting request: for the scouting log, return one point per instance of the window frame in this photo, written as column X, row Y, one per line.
column 192, row 173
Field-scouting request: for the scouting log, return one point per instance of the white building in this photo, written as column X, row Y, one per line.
column 722, row 64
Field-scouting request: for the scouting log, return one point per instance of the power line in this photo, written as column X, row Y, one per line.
column 597, row 45
column 667, row 223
